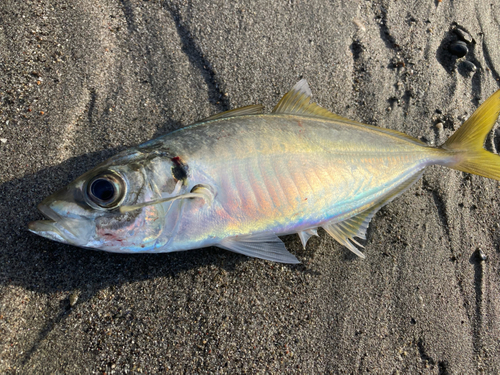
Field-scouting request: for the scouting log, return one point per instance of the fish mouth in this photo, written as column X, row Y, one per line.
column 61, row 229
column 47, row 229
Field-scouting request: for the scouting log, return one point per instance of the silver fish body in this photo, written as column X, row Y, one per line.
column 240, row 179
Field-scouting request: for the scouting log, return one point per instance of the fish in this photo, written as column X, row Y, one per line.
column 240, row 179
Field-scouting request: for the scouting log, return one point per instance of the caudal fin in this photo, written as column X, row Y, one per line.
column 468, row 141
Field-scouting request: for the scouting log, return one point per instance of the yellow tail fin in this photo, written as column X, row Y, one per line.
column 468, row 141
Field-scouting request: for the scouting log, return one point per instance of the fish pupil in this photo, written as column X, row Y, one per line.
column 102, row 189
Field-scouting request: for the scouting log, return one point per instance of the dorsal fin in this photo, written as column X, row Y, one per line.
column 255, row 109
column 297, row 101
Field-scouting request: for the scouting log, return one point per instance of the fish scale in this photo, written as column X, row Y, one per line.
column 239, row 179
column 257, row 184
column 271, row 183
column 342, row 187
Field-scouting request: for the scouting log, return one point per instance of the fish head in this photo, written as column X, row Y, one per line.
column 86, row 213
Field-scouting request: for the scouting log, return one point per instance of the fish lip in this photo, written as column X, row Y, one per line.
column 47, row 229
column 48, row 212
column 45, row 226
column 59, row 228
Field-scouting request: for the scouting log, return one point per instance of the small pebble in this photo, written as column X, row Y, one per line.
column 73, row 299
column 458, row 48
column 463, row 35
column 482, row 255
column 439, row 126
column 470, row 67
column 359, row 24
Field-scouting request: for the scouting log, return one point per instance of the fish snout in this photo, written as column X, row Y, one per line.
column 71, row 230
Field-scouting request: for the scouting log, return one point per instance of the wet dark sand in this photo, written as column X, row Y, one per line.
column 81, row 80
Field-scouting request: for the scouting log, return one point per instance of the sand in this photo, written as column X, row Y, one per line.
column 81, row 80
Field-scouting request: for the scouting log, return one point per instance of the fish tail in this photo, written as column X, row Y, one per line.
column 468, row 141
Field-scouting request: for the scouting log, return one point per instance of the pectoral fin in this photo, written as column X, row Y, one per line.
column 204, row 192
column 262, row 245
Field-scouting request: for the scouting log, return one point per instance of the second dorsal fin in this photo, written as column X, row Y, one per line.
column 298, row 101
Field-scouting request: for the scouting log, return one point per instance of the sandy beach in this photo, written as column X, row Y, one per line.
column 81, row 80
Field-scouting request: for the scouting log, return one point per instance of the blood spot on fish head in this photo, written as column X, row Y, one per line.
column 179, row 169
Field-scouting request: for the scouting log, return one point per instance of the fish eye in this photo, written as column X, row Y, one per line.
column 106, row 190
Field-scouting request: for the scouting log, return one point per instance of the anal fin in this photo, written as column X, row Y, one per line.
column 262, row 245
column 356, row 226
column 306, row 234
column 344, row 235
